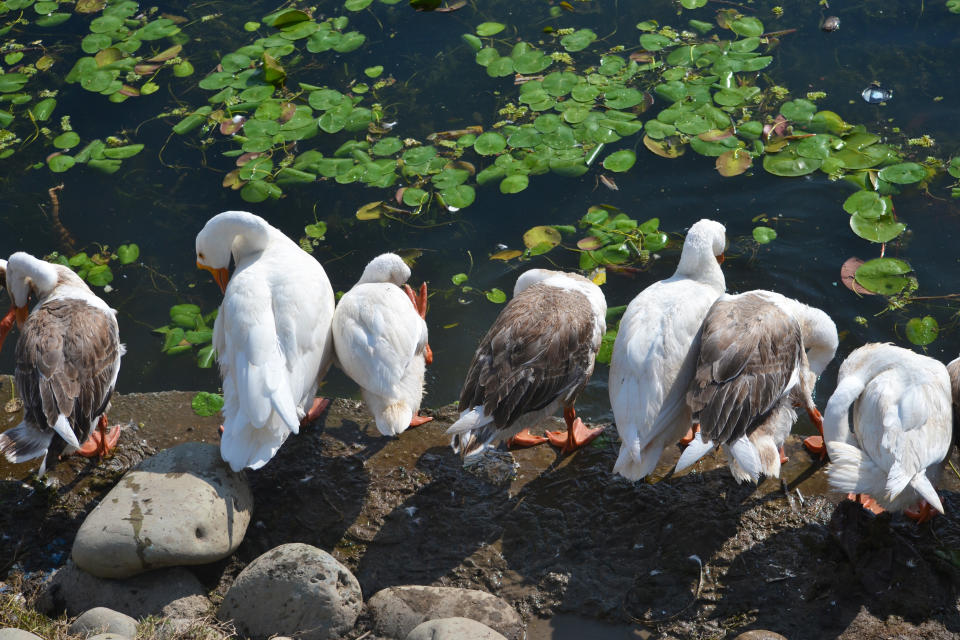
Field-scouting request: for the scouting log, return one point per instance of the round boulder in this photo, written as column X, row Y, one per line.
column 104, row 620
column 17, row 634
column 397, row 610
column 453, row 629
column 295, row 590
column 183, row 506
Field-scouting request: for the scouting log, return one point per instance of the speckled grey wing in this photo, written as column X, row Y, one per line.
column 67, row 357
column 749, row 351
column 540, row 348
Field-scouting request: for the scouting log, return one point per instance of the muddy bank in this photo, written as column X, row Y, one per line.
column 571, row 546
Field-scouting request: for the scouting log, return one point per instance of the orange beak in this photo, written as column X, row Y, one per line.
column 6, row 324
column 720, row 259
column 22, row 313
column 222, row 276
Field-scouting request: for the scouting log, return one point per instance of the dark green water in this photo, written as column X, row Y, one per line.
column 161, row 198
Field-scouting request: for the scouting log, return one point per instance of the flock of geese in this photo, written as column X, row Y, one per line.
column 690, row 363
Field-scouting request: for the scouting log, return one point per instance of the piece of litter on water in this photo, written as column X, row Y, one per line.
column 875, row 94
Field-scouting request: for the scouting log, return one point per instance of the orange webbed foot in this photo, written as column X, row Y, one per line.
column 783, row 456
column 6, row 324
column 419, row 420
column 814, row 444
column 316, row 410
column 576, row 435
column 921, row 512
column 419, row 302
column 866, row 502
column 525, row 439
column 101, row 442
column 688, row 438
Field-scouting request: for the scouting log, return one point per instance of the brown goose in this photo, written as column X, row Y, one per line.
column 68, row 358
column 6, row 323
column 536, row 358
column 752, row 369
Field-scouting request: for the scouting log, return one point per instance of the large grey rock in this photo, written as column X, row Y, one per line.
column 397, row 610
column 102, row 619
column 453, row 629
column 17, row 634
column 296, row 590
column 183, row 506
column 110, row 636
column 173, row 592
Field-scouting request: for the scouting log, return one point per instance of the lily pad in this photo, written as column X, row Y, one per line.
column 734, row 162
column 489, row 143
column 747, row 27
column 66, row 140
column 764, row 235
column 128, row 253
column 903, row 173
column 789, row 164
column 922, row 331
column 578, row 40
column 882, row 229
column 620, row 161
column 496, row 296
column 886, row 276
column 60, row 163
column 486, row 29
column 514, row 184
column 541, row 235
column 867, row 204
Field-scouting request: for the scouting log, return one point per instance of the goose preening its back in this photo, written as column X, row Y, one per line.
column 68, row 358
column 272, row 334
column 381, row 342
column 535, row 359
column 760, row 355
column 902, row 427
column 654, row 355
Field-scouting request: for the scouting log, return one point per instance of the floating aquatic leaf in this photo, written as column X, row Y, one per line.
column 655, row 41
column 128, row 253
column 693, row 4
column 10, row 82
column 867, row 204
column 123, row 152
column 886, row 276
column 882, row 229
column 789, row 164
column 458, row 278
column 414, row 197
column 663, row 148
column 514, row 184
column 734, row 162
column 374, row 71
column 487, row 29
column 541, row 235
column 764, row 235
column 500, row 67
column 60, row 162
column 904, row 173
column 489, row 143
column 578, row 40
column 66, row 140
column 99, row 275
column 505, row 255
column 475, row 43
column 620, row 161
column 747, row 27
column 458, row 197
column 496, row 296
column 206, row 404
column 922, row 331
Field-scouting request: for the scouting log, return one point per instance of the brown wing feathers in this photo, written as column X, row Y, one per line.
column 749, row 351
column 539, row 348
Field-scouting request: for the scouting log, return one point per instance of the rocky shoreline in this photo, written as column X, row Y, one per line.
column 347, row 534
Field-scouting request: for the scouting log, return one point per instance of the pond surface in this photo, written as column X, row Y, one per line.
column 161, row 197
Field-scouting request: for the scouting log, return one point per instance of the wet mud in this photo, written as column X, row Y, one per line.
column 578, row 551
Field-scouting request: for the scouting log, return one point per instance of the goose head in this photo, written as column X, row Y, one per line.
column 703, row 250
column 388, row 267
column 27, row 275
column 229, row 234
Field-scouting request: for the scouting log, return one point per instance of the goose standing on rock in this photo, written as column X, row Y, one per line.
column 655, row 353
column 68, row 357
column 6, row 323
column 272, row 334
column 760, row 355
column 902, row 428
column 381, row 342
column 536, row 358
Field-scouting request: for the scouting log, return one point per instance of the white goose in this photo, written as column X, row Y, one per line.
column 68, row 358
column 6, row 323
column 535, row 359
column 655, row 352
column 760, row 355
column 381, row 342
column 902, row 426
column 272, row 334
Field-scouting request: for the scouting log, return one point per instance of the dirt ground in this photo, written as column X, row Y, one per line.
column 565, row 540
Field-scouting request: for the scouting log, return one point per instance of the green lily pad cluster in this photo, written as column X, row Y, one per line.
column 112, row 66
column 105, row 156
column 23, row 108
column 255, row 107
column 189, row 329
column 94, row 268
column 494, row 295
column 42, row 13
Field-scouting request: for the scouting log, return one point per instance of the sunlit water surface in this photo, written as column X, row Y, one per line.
column 161, row 198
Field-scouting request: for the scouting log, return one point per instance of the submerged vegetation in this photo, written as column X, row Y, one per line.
column 270, row 117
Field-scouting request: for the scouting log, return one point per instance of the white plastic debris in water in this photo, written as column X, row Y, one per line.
column 875, row 94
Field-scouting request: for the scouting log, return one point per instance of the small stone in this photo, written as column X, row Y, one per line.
column 294, row 589
column 110, row 636
column 453, row 629
column 102, row 619
column 17, row 634
column 183, row 506
column 398, row 610
column 760, row 634
column 165, row 592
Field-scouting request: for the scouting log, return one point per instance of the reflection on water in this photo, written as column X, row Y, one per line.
column 162, row 197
